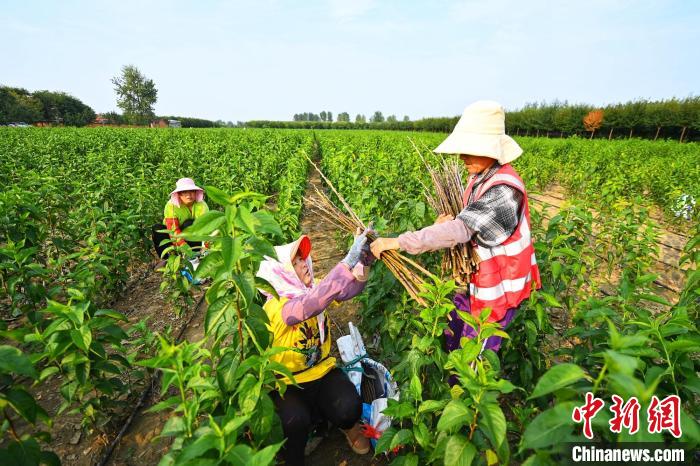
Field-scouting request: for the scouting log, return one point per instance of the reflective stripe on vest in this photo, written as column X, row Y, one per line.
column 517, row 246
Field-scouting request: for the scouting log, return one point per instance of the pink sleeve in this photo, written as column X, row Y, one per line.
column 434, row 237
column 339, row 285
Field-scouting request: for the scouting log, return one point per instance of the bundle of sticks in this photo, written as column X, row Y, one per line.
column 462, row 260
column 409, row 273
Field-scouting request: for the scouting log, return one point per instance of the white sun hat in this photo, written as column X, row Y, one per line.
column 482, row 131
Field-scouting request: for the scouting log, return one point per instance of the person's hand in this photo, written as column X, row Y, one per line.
column 353, row 256
column 442, row 218
column 380, row 245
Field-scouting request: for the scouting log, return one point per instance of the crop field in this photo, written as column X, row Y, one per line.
column 107, row 359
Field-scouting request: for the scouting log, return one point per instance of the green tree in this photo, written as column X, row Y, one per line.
column 19, row 105
column 323, row 115
column 360, row 119
column 391, row 119
column 136, row 95
column 59, row 107
column 344, row 116
column 377, row 117
column 405, row 118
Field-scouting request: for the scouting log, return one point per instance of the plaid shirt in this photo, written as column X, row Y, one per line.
column 494, row 217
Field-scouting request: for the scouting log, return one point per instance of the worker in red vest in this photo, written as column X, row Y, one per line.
column 495, row 219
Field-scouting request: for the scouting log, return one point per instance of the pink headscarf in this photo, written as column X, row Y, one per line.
column 280, row 272
column 281, row 275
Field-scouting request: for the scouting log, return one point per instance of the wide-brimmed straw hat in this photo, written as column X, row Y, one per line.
column 482, row 131
column 186, row 184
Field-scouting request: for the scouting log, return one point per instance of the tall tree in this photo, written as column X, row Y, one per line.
column 329, row 116
column 360, row 119
column 593, row 121
column 323, row 115
column 344, row 116
column 136, row 95
column 405, row 118
column 377, row 117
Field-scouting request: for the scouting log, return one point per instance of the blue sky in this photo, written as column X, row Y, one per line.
column 269, row 59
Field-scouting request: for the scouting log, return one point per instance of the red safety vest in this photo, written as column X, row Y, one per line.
column 507, row 272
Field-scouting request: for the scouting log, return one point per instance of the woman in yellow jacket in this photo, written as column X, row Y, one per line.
column 299, row 321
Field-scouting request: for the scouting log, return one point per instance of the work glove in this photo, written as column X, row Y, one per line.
column 366, row 256
column 355, row 252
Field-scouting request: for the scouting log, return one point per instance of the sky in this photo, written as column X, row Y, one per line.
column 270, row 59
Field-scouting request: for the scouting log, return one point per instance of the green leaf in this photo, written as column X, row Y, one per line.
column 249, row 393
column 262, row 284
column 231, row 251
column 422, row 435
column 268, row 224
column 494, row 423
column 173, row 427
column 246, row 286
column 559, row 376
column 239, row 455
column 209, row 265
column 216, row 312
column 165, row 404
column 459, row 451
column 398, row 410
column 258, row 330
column 429, row 406
column 549, row 427
column 47, row 372
column 686, row 344
column 415, row 388
column 23, row 403
column 12, row 360
column 246, row 220
column 266, row 456
column 455, row 415
column 217, row 195
column 401, row 438
column 551, row 300
column 82, row 338
column 406, row 460
column 234, row 424
column 200, row 446
column 204, row 225
column 385, row 440
column 113, row 314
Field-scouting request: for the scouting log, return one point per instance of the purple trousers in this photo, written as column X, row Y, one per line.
column 459, row 329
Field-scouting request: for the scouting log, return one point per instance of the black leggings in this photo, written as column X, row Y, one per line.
column 332, row 397
column 158, row 237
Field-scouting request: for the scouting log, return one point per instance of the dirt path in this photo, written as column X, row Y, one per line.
column 74, row 444
column 328, row 248
column 137, row 446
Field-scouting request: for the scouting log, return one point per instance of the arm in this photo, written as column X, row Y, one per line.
column 339, row 285
column 491, row 220
column 443, row 235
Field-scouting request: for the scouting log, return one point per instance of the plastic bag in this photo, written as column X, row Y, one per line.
column 372, row 381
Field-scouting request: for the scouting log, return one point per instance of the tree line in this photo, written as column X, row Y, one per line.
column 671, row 118
column 20, row 105
column 652, row 119
column 344, row 117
